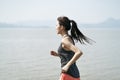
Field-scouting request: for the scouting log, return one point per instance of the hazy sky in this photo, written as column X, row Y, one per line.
column 84, row 11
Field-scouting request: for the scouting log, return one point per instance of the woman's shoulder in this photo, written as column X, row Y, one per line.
column 67, row 40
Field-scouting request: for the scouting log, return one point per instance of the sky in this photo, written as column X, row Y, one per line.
column 84, row 11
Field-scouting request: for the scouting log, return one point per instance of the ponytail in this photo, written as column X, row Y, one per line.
column 75, row 32
column 77, row 35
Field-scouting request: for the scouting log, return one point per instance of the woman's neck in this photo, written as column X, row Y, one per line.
column 64, row 35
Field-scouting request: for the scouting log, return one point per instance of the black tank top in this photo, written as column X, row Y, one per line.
column 66, row 56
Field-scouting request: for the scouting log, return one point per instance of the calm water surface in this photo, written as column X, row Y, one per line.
column 24, row 55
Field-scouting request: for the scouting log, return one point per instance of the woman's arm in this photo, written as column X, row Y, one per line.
column 68, row 45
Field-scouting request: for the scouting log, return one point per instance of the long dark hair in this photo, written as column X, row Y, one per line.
column 76, row 34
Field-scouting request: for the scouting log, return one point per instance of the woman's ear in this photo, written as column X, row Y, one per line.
column 62, row 27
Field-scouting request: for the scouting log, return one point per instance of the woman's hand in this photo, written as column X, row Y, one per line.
column 65, row 68
column 53, row 53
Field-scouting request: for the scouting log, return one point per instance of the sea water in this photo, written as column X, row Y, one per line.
column 25, row 54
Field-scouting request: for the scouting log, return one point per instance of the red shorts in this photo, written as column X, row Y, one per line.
column 67, row 77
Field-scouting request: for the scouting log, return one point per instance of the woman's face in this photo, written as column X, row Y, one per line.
column 59, row 28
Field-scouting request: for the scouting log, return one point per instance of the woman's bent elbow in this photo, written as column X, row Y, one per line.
column 80, row 53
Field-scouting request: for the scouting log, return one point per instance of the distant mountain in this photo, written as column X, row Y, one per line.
column 29, row 24
column 109, row 23
column 23, row 25
column 5, row 25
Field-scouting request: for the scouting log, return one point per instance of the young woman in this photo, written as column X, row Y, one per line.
column 67, row 50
